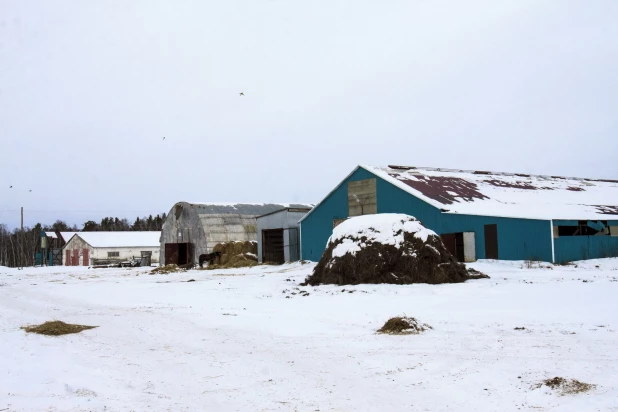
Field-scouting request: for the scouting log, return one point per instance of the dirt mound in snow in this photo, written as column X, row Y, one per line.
column 171, row 268
column 387, row 248
column 566, row 386
column 403, row 326
column 235, row 255
column 56, row 328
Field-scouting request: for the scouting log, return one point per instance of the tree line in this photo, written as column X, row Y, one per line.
column 18, row 248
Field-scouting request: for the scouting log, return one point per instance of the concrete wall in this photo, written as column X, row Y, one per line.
column 126, row 253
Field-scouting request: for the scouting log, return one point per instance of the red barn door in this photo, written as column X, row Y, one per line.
column 67, row 261
column 86, row 261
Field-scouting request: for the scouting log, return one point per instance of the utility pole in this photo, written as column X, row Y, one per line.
column 21, row 239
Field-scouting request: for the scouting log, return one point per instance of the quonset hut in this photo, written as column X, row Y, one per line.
column 192, row 229
column 479, row 214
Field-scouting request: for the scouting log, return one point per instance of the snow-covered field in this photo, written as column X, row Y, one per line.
column 247, row 340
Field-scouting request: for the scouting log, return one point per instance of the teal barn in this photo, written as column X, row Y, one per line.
column 479, row 214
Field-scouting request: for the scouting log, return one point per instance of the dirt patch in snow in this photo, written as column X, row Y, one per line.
column 405, row 257
column 566, row 386
column 403, row 326
column 56, row 328
column 164, row 270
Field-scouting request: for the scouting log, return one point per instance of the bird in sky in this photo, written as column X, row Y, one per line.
column 241, row 94
column 163, row 137
column 31, row 190
column 10, row 187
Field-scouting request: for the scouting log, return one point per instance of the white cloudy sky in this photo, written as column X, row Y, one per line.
column 88, row 89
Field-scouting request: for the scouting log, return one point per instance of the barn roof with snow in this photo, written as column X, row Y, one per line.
column 121, row 239
column 517, row 195
column 506, row 194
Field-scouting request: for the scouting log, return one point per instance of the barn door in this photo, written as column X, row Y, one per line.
column 454, row 243
column 448, row 239
column 272, row 246
column 491, row 241
column 294, row 248
column 171, row 253
column 67, row 260
column 75, row 257
column 85, row 260
column 56, row 257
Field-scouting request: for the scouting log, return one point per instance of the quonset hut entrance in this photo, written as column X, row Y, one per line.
column 179, row 253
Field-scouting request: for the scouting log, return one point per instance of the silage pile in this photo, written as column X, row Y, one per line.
column 235, row 255
column 386, row 248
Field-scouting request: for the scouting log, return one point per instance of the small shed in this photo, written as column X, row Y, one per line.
column 278, row 235
column 92, row 248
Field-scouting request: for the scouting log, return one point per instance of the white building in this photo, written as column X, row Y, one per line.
column 91, row 248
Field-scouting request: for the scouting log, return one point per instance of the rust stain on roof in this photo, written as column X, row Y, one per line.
column 445, row 190
column 516, row 185
column 607, row 210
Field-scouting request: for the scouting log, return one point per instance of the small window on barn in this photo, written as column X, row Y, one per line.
column 146, row 253
column 584, row 228
column 362, row 198
column 113, row 254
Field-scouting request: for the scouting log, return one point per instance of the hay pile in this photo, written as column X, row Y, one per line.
column 386, row 248
column 164, row 270
column 403, row 326
column 567, row 386
column 235, row 255
column 56, row 328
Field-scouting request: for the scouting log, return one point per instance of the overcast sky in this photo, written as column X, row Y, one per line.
column 88, row 90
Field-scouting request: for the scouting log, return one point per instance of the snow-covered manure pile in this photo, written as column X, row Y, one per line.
column 386, row 248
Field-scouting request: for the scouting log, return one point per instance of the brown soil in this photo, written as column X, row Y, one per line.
column 56, row 328
column 403, row 326
column 414, row 261
column 568, row 386
column 164, row 270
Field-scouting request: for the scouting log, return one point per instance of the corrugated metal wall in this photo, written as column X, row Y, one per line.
column 518, row 239
column 571, row 248
column 288, row 221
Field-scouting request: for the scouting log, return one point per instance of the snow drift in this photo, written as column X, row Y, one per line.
column 386, row 248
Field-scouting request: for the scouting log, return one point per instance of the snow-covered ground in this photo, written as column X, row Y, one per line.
column 247, row 340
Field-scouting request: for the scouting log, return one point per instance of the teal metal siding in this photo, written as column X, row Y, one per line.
column 571, row 248
column 518, row 239
column 566, row 222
